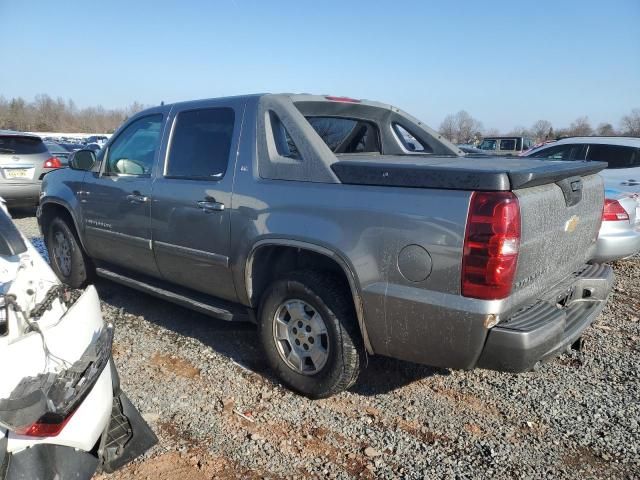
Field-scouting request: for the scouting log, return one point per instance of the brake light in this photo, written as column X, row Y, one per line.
column 342, row 99
column 53, row 162
column 47, row 426
column 613, row 211
column 491, row 244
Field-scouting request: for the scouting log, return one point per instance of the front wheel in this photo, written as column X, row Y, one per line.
column 67, row 259
column 309, row 332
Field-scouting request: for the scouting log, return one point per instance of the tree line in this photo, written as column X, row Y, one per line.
column 461, row 127
column 45, row 114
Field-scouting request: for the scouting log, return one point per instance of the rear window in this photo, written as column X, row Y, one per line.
column 21, row 145
column 409, row 141
column 618, row 156
column 285, row 145
column 346, row 135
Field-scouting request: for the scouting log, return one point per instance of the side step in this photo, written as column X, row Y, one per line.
column 184, row 297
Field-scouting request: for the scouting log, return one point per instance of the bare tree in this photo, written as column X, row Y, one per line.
column 520, row 131
column 468, row 128
column 461, row 127
column 581, row 127
column 448, row 128
column 631, row 123
column 541, row 130
column 47, row 114
column 492, row 132
column 605, row 129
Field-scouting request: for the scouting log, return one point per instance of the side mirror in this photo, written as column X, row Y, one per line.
column 82, row 160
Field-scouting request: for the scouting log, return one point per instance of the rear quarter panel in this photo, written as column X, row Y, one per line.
column 367, row 227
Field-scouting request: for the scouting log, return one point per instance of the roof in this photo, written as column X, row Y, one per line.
column 13, row 133
column 504, row 137
column 295, row 97
column 622, row 141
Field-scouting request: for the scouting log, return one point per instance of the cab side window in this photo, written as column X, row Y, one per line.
column 201, row 144
column 134, row 151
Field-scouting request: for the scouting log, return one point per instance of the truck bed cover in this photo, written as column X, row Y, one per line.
column 457, row 173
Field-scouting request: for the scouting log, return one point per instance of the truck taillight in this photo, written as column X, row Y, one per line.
column 52, row 162
column 613, row 211
column 491, row 244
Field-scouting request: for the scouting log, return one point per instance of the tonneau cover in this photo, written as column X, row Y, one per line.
column 457, row 173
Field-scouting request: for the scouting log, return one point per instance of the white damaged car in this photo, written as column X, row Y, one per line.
column 62, row 414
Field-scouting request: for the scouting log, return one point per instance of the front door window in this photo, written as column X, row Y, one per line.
column 133, row 152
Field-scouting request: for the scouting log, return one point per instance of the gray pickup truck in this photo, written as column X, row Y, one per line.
column 342, row 228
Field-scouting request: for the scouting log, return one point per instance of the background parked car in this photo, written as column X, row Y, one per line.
column 99, row 139
column 470, row 149
column 510, row 145
column 619, row 235
column 92, row 146
column 58, row 151
column 622, row 154
column 72, row 147
column 620, row 232
column 24, row 159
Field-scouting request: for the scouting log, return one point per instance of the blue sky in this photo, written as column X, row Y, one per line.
column 506, row 63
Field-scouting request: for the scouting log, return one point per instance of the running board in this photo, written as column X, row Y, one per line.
column 190, row 299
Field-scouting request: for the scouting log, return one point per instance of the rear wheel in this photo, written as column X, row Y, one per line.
column 309, row 332
column 67, row 259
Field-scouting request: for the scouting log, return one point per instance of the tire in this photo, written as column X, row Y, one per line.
column 66, row 256
column 337, row 353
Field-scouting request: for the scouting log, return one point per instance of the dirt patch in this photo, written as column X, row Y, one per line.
column 464, row 400
column 171, row 364
column 420, row 432
column 302, row 441
column 584, row 458
column 188, row 466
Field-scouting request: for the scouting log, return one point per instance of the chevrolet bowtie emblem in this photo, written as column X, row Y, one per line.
column 571, row 224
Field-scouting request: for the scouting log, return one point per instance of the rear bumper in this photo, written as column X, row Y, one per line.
column 20, row 194
column 613, row 246
column 543, row 330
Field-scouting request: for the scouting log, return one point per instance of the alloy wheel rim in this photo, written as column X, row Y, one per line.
column 62, row 253
column 301, row 337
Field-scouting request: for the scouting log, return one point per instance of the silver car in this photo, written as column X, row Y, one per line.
column 24, row 160
column 619, row 235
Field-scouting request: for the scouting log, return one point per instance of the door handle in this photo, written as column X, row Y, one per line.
column 210, row 205
column 137, row 197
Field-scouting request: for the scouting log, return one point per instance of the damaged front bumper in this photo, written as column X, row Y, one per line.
column 68, row 422
column 126, row 437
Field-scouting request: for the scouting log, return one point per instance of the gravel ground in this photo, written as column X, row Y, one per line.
column 219, row 413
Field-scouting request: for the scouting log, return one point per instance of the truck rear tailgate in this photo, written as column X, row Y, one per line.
column 557, row 236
